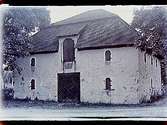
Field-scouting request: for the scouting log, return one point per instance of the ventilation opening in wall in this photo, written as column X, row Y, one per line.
column 33, row 64
column 32, row 84
column 145, row 59
column 108, row 84
column 108, row 55
column 151, row 60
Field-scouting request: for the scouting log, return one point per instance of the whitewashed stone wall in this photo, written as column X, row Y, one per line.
column 45, row 75
column 129, row 73
column 148, row 71
column 122, row 70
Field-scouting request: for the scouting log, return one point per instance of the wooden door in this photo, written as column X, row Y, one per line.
column 69, row 87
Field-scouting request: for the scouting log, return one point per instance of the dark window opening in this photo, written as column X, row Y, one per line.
column 108, row 84
column 145, row 57
column 22, row 78
column 156, row 62
column 10, row 80
column 32, row 84
column 151, row 60
column 107, row 55
column 68, row 50
column 151, row 83
column 33, row 62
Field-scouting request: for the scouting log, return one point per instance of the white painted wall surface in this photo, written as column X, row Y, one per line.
column 45, row 75
column 122, row 70
column 148, row 71
column 129, row 74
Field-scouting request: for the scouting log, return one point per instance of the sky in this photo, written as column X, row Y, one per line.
column 59, row 13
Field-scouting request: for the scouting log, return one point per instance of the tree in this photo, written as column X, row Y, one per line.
column 151, row 25
column 19, row 24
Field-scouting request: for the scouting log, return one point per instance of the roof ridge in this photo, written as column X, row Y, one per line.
column 52, row 25
column 84, row 21
column 81, row 17
column 128, row 25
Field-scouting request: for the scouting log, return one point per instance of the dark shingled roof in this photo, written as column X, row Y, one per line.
column 96, row 29
column 87, row 16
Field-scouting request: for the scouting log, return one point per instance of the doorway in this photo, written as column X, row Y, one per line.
column 69, row 87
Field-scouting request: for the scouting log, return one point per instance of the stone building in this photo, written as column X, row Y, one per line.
column 88, row 58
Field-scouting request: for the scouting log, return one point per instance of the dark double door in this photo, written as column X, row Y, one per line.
column 69, row 87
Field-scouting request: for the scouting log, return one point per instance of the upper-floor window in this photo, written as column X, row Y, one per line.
column 32, row 84
column 156, row 62
column 68, row 50
column 32, row 61
column 108, row 84
column 108, row 55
